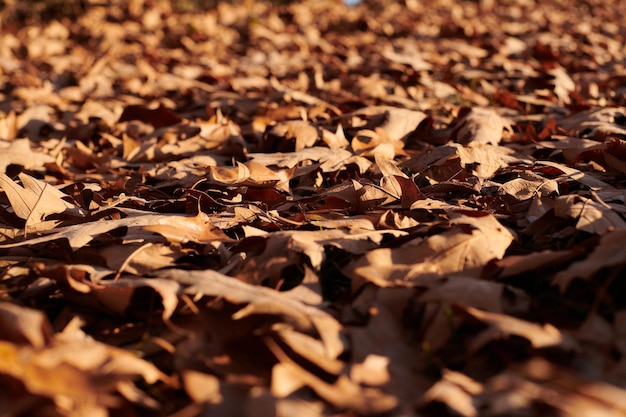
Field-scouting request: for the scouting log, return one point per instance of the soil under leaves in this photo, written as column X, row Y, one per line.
column 401, row 208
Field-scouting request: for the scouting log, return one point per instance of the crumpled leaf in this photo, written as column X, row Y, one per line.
column 481, row 125
column 282, row 250
column 76, row 369
column 445, row 162
column 596, row 121
column 585, row 178
column 528, row 186
column 395, row 122
column 330, row 160
column 261, row 300
column 590, row 215
column 483, row 295
column 301, row 133
column 114, row 295
column 469, row 244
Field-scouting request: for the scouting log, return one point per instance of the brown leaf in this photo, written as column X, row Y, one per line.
column 284, row 249
column 571, row 393
column 395, row 122
column 290, row 135
column 76, row 369
column 36, row 199
column 20, row 152
column 261, row 300
column 479, row 294
column 590, row 216
column 202, row 388
column 481, row 125
column 529, row 186
column 116, row 295
column 501, row 326
column 20, row 325
column 519, row 264
column 330, row 160
column 468, row 245
column 343, row 393
column 601, row 121
column 608, row 253
column 140, row 226
column 456, row 391
column 584, row 178
column 182, row 229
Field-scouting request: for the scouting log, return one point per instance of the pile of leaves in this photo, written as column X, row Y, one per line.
column 401, row 208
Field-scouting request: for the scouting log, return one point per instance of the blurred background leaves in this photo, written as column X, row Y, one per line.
column 21, row 12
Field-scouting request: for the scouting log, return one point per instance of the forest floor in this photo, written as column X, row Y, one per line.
column 398, row 208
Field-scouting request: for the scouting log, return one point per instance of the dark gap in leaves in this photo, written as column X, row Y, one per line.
column 199, row 261
column 336, row 286
column 290, row 277
column 497, row 355
column 145, row 305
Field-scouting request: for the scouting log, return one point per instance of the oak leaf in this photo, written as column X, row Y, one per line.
column 36, row 200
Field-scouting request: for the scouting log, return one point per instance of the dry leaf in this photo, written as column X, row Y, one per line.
column 608, row 253
column 20, row 325
column 36, row 200
column 140, row 226
column 432, row 154
column 19, row 152
column 501, row 326
column 590, row 216
column 343, row 393
column 456, row 391
column 260, row 300
column 482, row 125
column 469, row 244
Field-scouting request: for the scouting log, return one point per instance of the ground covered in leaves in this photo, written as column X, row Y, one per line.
column 401, row 208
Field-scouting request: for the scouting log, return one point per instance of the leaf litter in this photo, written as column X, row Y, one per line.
column 275, row 209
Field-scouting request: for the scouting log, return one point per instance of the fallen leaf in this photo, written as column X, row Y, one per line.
column 36, row 200
column 456, row 391
column 140, row 226
column 343, row 393
column 481, row 125
column 295, row 134
column 20, row 152
column 608, row 253
column 502, row 326
column 469, row 244
column 261, row 300
column 20, row 325
column 590, row 216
